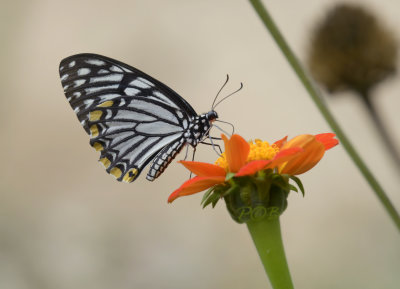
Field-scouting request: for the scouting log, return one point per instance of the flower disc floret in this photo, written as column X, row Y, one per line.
column 261, row 150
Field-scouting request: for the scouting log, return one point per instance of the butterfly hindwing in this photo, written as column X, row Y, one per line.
column 129, row 115
column 164, row 158
column 129, row 135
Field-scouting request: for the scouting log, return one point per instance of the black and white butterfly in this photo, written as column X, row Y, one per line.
column 131, row 118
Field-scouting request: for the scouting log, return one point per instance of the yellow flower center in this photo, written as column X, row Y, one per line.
column 259, row 150
column 222, row 162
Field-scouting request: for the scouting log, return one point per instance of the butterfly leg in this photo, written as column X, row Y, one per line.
column 214, row 146
column 194, row 152
column 219, row 152
column 187, row 152
column 224, row 131
column 186, row 155
column 228, row 123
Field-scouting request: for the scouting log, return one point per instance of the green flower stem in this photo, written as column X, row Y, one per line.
column 316, row 97
column 266, row 234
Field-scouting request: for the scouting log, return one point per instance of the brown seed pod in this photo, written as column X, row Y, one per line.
column 350, row 49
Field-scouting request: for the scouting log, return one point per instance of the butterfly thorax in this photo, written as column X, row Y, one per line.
column 199, row 127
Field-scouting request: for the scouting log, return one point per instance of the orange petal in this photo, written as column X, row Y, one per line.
column 299, row 141
column 283, row 156
column 327, row 139
column 195, row 185
column 281, row 142
column 204, row 169
column 313, row 151
column 280, row 158
column 236, row 150
column 252, row 167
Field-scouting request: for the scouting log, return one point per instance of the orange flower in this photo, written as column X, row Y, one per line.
column 241, row 158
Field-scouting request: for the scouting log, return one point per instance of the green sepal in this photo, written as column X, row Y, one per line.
column 206, row 195
column 293, row 188
column 263, row 195
column 229, row 176
column 211, row 199
column 298, row 183
column 214, row 194
column 229, row 191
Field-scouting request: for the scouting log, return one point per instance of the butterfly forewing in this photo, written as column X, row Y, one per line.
column 90, row 79
column 129, row 115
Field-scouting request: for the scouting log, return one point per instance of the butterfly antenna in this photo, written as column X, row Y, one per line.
column 240, row 88
column 222, row 87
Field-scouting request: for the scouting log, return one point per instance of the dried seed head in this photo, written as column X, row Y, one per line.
column 350, row 49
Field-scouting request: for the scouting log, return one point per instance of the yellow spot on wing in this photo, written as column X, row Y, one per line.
column 130, row 176
column 95, row 115
column 105, row 161
column 97, row 146
column 116, row 172
column 94, row 131
column 106, row 103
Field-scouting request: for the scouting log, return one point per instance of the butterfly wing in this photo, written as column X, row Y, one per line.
column 129, row 115
column 164, row 158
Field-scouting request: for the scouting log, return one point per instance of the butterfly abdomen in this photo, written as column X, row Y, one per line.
column 164, row 158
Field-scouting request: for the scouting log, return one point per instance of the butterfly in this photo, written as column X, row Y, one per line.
column 132, row 118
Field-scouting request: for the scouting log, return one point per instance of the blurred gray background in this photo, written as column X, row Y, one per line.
column 65, row 223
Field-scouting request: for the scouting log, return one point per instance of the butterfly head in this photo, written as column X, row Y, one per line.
column 212, row 115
